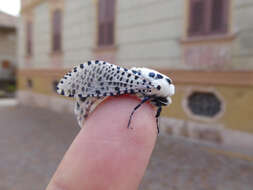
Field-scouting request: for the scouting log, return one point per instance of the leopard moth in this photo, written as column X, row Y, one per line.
column 91, row 82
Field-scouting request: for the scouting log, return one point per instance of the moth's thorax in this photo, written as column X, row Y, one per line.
column 161, row 101
column 163, row 84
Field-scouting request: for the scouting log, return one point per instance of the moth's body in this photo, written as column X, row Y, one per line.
column 96, row 80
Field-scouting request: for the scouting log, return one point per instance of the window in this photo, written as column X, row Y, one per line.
column 204, row 104
column 106, row 22
column 208, row 17
column 29, row 83
column 57, row 28
column 29, row 38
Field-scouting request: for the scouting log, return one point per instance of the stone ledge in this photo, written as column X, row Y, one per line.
column 214, row 133
column 8, row 102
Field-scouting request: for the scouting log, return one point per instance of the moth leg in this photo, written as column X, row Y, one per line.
column 159, row 110
column 145, row 99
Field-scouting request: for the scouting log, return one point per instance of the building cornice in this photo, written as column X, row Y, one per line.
column 28, row 7
column 199, row 77
column 31, row 5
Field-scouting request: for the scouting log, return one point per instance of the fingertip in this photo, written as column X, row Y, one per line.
column 106, row 149
column 111, row 119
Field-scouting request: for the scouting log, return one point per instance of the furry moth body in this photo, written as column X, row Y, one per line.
column 90, row 82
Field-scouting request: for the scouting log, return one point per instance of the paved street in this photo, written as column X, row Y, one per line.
column 33, row 141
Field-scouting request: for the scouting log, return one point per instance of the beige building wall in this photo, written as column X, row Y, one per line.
column 243, row 28
column 148, row 33
column 41, row 42
column 153, row 34
column 79, row 31
column 42, row 36
column 141, row 28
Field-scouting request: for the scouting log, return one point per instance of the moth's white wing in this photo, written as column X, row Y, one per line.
column 99, row 79
column 84, row 106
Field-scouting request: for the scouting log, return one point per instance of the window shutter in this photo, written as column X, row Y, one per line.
column 29, row 38
column 57, row 27
column 101, row 21
column 101, row 32
column 110, row 24
column 106, row 22
column 208, row 17
column 197, row 17
column 219, row 16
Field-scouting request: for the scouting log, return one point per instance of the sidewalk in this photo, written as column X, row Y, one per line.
column 33, row 141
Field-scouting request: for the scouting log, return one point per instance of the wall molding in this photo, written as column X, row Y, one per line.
column 233, row 78
column 27, row 7
column 31, row 5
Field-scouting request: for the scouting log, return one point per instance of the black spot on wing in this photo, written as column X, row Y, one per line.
column 168, row 80
column 158, row 76
column 151, row 74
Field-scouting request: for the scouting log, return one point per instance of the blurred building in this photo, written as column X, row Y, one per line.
column 8, row 46
column 206, row 46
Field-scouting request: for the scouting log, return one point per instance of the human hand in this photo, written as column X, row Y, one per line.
column 106, row 154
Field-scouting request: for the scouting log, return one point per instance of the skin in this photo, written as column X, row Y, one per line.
column 106, row 154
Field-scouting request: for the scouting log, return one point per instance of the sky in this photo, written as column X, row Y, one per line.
column 10, row 6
